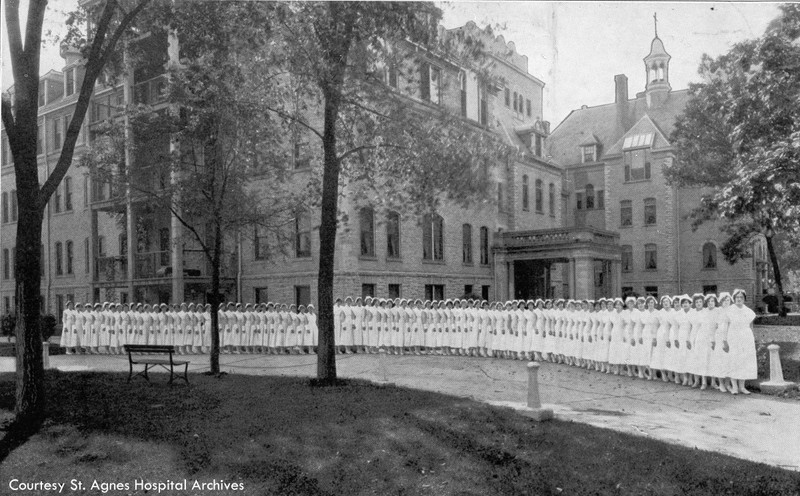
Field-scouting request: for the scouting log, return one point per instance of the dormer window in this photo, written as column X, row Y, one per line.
column 589, row 154
column 69, row 82
column 538, row 144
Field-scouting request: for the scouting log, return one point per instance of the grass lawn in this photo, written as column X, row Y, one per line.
column 282, row 436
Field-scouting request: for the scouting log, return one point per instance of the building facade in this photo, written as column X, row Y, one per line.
column 582, row 211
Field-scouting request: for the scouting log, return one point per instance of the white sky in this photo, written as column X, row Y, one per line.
column 576, row 48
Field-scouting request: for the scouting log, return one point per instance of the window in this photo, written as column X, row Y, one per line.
column 6, row 264
column 467, row 289
column 501, row 205
column 627, row 291
column 394, row 291
column 59, row 258
column 600, row 199
column 528, row 107
column 507, row 94
column 466, row 238
column 57, row 200
column 709, row 256
column 650, row 256
column 68, row 193
column 59, row 307
column 42, row 100
column 434, row 292
column 579, row 201
column 14, row 211
column 85, row 254
column 538, row 143
column 651, row 291
column 625, row 213
column 300, row 157
column 649, row 211
column 515, row 101
column 302, row 237
column 7, row 304
column 485, row 292
column 433, row 237
column 4, row 155
column 367, row 290
column 164, row 246
column 13, row 262
column 525, row 194
column 539, row 195
column 86, row 190
column 637, row 164
column 710, row 289
column 367, row 229
column 101, row 246
column 552, row 199
column 430, row 83
column 39, row 140
column 69, row 257
column 589, row 153
column 5, row 207
column 123, row 244
column 302, row 295
column 259, row 244
column 393, row 235
column 58, row 135
column 260, row 295
column 484, row 234
column 462, row 82
column 589, row 196
column 627, row 258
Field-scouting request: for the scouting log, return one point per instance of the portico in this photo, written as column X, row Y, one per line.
column 589, row 259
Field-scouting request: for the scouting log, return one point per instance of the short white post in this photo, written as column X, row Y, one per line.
column 776, row 383
column 775, row 369
column 382, row 365
column 533, row 385
column 46, row 354
column 535, row 410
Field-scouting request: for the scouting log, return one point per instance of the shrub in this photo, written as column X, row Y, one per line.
column 49, row 324
column 7, row 324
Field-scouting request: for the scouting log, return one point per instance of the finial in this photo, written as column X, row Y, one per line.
column 655, row 23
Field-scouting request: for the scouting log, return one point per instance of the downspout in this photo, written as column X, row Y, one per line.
column 678, row 238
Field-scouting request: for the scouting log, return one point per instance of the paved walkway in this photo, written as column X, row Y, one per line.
column 757, row 427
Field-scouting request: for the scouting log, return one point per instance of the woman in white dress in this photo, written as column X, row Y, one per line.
column 696, row 315
column 720, row 363
column 618, row 345
column 704, row 340
column 359, row 323
column 605, row 339
column 549, row 336
column 742, row 364
column 69, row 339
column 415, row 334
column 630, row 338
column 538, row 337
column 348, row 325
column 649, row 335
column 302, row 330
column 658, row 359
column 681, row 356
column 312, row 327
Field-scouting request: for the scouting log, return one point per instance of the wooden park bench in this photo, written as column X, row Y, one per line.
column 142, row 354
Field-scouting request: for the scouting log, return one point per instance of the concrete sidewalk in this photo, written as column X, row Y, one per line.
column 758, row 428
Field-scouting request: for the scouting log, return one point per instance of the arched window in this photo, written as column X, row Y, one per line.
column 433, row 237
column 466, row 241
column 367, row 228
column 650, row 216
column 393, row 235
column 59, row 258
column 589, row 196
column 525, row 194
column 539, row 207
column 552, row 199
column 709, row 255
column 484, row 245
column 661, row 71
column 653, row 73
column 5, row 207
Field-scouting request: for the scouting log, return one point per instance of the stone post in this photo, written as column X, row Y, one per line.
column 775, row 384
column 535, row 410
column 46, row 354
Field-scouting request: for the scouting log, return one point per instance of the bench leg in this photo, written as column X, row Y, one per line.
column 171, row 373
column 186, row 373
column 130, row 370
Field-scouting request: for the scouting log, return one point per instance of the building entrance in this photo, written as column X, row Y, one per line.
column 532, row 279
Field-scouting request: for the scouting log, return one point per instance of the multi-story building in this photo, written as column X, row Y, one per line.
column 613, row 156
column 583, row 211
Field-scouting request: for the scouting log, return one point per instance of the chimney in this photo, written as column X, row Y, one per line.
column 620, row 88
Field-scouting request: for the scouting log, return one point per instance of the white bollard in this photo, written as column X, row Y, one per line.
column 535, row 410
column 775, row 369
column 776, row 383
column 383, row 371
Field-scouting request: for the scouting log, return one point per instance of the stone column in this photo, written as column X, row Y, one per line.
column 510, row 288
column 584, row 278
column 500, row 277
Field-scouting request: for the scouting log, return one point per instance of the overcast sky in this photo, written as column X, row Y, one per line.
column 576, row 48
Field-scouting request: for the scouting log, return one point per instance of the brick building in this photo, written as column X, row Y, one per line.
column 583, row 211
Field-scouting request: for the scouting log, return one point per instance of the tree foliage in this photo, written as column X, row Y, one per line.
column 740, row 136
column 390, row 149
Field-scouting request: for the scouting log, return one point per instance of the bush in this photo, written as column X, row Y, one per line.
column 7, row 324
column 49, row 325
column 776, row 320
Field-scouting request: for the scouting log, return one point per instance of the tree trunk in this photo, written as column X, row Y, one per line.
column 776, row 272
column 326, row 352
column 30, row 399
column 214, row 300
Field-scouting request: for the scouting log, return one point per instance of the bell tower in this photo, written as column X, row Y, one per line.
column 657, row 70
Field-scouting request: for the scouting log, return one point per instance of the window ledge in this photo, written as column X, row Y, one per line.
column 467, row 264
column 709, row 269
column 303, row 257
column 633, row 181
column 394, row 259
column 651, row 270
column 654, row 224
column 626, row 226
column 434, row 262
column 368, row 258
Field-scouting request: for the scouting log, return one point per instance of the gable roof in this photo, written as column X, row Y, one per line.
column 609, row 123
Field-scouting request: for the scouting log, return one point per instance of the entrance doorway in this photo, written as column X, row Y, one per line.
column 531, row 279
